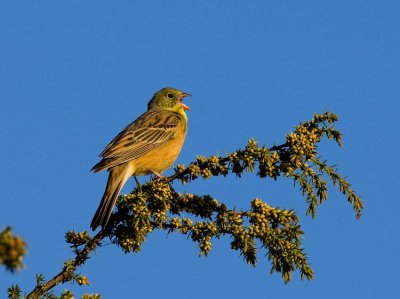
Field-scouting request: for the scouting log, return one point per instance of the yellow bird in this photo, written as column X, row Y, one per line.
column 149, row 145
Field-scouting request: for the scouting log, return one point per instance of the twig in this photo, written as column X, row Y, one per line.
column 222, row 160
column 67, row 273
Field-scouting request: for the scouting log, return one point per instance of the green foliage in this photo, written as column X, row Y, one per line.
column 12, row 250
column 91, row 296
column 296, row 159
column 277, row 232
column 14, row 292
column 77, row 239
column 157, row 205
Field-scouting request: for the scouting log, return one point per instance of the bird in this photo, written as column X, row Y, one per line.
column 149, row 145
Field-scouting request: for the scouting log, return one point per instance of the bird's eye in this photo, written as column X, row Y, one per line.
column 170, row 95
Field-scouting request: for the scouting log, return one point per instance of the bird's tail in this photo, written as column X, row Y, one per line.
column 116, row 179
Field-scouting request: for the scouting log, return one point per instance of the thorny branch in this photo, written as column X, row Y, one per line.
column 157, row 205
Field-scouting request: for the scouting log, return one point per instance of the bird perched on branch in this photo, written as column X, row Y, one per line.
column 149, row 145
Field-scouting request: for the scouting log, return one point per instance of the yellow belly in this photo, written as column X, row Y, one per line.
column 159, row 159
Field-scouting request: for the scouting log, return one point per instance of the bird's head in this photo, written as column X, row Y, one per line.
column 170, row 99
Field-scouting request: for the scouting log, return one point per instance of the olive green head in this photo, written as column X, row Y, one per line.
column 170, row 99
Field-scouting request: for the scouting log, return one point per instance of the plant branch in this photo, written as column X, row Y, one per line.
column 67, row 272
column 157, row 205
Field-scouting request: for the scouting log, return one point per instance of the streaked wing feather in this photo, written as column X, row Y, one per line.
column 129, row 155
column 149, row 131
column 137, row 124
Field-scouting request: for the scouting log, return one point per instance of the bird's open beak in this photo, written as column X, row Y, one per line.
column 185, row 107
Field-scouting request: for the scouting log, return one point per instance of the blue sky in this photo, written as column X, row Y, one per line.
column 74, row 73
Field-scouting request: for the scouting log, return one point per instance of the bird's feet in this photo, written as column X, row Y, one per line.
column 157, row 176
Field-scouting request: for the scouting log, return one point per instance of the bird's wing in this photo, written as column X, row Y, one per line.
column 146, row 133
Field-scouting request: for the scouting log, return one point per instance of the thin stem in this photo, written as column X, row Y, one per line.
column 222, row 160
column 67, row 273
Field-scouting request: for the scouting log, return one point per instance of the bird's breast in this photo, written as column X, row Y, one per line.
column 162, row 157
